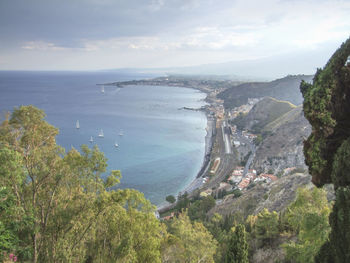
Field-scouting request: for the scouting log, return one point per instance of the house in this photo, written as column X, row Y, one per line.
column 236, row 143
column 269, row 177
column 244, row 184
column 168, row 217
column 252, row 171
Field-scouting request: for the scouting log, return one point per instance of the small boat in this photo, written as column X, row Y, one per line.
column 91, row 140
column 103, row 89
column 101, row 135
column 77, row 125
column 116, row 145
column 121, row 133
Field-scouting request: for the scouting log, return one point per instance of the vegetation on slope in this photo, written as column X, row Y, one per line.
column 263, row 113
column 327, row 150
column 286, row 88
column 54, row 206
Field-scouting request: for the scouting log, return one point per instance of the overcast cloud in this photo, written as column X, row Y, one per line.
column 102, row 34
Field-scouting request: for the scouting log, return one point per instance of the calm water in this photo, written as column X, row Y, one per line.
column 162, row 148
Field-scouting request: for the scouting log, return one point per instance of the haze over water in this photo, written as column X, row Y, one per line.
column 162, row 148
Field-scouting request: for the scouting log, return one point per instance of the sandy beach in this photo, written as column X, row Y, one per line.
column 198, row 181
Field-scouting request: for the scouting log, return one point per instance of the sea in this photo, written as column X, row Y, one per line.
column 162, row 146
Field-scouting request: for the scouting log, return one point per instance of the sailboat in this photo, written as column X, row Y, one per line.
column 116, row 145
column 101, row 135
column 91, row 140
column 103, row 89
column 77, row 125
column 121, row 133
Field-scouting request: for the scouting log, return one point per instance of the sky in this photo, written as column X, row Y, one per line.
column 109, row 34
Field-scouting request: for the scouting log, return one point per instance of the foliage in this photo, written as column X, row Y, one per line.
column 264, row 227
column 189, row 242
column 198, row 209
column 239, row 121
column 326, row 106
column 182, row 202
column 171, row 199
column 308, row 217
column 238, row 246
column 55, row 206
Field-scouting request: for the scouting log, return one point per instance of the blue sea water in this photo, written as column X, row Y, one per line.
column 162, row 148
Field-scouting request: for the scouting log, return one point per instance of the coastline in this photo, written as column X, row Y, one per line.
column 197, row 182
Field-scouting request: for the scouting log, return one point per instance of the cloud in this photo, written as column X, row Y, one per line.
column 42, row 46
column 182, row 31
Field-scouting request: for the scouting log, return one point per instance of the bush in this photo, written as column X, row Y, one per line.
column 171, row 199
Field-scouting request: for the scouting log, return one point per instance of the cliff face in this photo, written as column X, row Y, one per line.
column 327, row 150
column 283, row 147
column 284, row 129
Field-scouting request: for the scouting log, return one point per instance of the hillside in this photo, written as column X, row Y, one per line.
column 264, row 112
column 283, row 147
column 274, row 196
column 286, row 88
column 283, row 128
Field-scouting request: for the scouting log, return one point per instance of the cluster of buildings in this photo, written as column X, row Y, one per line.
column 243, row 108
column 242, row 182
column 249, row 135
column 217, row 110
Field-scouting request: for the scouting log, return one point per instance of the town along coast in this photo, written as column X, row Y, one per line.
column 205, row 86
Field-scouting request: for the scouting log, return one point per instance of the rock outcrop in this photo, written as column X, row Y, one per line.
column 283, row 147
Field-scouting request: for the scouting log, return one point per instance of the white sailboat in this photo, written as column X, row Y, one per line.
column 103, row 89
column 91, row 140
column 116, row 145
column 101, row 135
column 77, row 125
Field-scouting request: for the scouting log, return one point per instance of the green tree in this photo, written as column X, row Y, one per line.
column 171, row 199
column 308, row 217
column 56, row 205
column 266, row 226
column 198, row 210
column 327, row 150
column 237, row 251
column 189, row 242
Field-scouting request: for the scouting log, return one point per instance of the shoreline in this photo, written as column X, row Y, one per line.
column 197, row 182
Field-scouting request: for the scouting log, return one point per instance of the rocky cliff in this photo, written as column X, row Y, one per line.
column 283, row 146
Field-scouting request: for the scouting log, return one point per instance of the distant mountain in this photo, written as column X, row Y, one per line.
column 286, row 88
column 255, row 69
